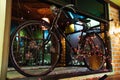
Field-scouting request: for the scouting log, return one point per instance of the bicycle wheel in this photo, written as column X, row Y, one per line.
column 94, row 52
column 34, row 50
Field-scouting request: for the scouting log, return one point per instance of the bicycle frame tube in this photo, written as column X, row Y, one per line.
column 60, row 32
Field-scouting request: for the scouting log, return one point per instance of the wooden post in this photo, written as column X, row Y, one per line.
column 5, row 19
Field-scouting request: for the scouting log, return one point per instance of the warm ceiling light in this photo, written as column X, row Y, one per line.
column 46, row 19
column 44, row 11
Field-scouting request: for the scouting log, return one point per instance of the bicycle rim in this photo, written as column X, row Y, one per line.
column 95, row 51
column 33, row 52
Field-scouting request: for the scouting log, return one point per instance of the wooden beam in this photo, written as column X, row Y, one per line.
column 5, row 17
column 112, row 4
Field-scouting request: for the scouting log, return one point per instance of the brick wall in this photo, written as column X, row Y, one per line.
column 115, row 38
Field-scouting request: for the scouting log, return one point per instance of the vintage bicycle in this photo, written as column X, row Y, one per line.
column 33, row 41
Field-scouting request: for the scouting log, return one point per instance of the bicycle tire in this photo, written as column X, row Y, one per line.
column 94, row 50
column 21, row 41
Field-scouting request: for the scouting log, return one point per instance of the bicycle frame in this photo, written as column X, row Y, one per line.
column 58, row 31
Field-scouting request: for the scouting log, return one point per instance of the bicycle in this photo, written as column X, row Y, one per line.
column 33, row 40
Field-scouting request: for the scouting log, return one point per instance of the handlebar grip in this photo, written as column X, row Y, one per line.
column 70, row 6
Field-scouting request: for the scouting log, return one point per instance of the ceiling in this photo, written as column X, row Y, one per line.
column 29, row 9
column 117, row 2
column 34, row 9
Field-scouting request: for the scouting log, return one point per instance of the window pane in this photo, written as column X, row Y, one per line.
column 94, row 7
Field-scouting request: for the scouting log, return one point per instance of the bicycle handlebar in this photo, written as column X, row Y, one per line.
column 55, row 9
column 70, row 6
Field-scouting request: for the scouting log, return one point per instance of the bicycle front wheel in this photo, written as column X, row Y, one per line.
column 94, row 51
column 34, row 50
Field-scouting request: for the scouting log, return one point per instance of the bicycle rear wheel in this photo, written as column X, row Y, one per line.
column 34, row 50
column 94, row 51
